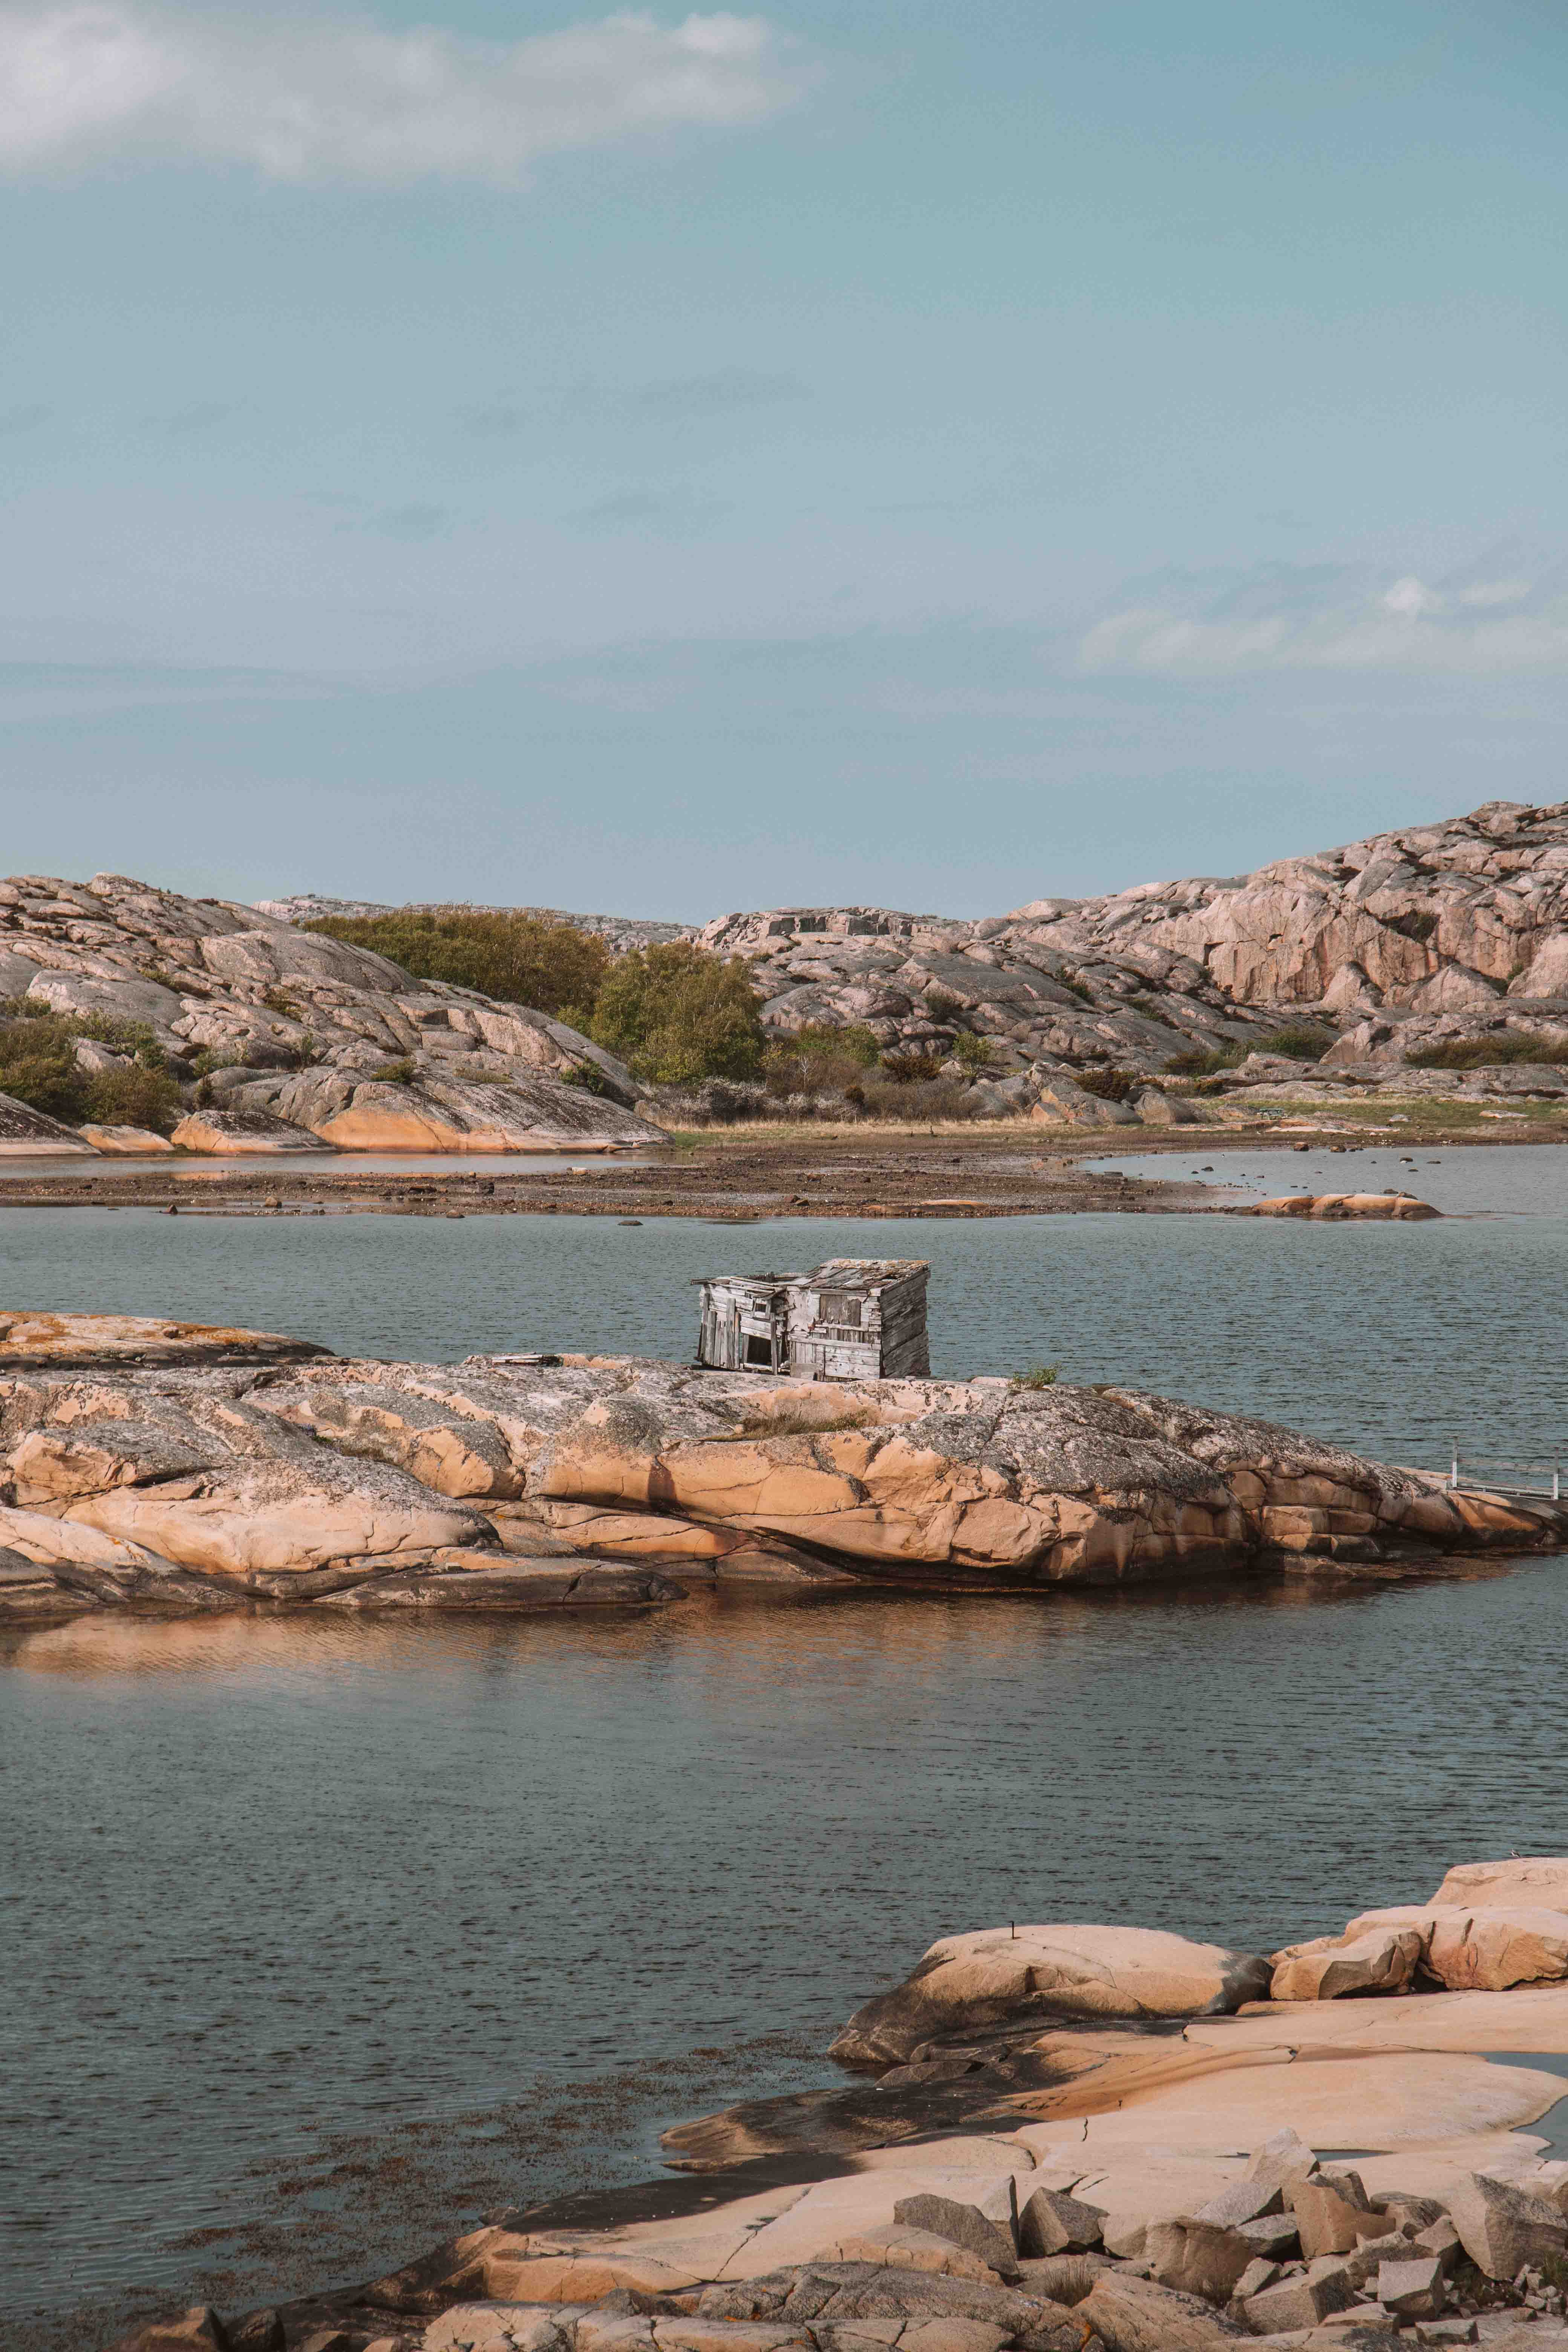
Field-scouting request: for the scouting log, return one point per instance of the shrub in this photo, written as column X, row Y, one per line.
column 1111, row 1086
column 1074, row 987
column 1042, row 1376
column 978, row 1055
column 676, row 1015
column 1298, row 1041
column 913, row 1065
column 819, row 1059
column 397, row 1074
column 133, row 1097
column 39, row 1065
column 1490, row 1053
column 918, row 1101
column 517, row 959
column 943, row 1007
column 1197, row 1063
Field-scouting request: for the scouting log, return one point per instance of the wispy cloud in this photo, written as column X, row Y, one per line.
column 1333, row 617
column 667, row 514
column 199, row 416
column 673, row 397
column 416, row 521
column 310, row 97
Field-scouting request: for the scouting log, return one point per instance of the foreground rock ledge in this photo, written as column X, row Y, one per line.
column 207, row 1481
column 1108, row 2191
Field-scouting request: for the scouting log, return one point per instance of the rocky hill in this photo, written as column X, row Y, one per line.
column 294, row 1038
column 1390, row 946
column 1390, row 963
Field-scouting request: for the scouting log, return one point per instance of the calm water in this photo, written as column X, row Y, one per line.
column 318, row 1938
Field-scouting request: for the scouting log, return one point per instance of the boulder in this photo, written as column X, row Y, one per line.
column 909, row 2249
column 28, row 1134
column 1280, row 2161
column 1332, row 2216
column 1050, row 2222
column 124, row 1142
column 200, row 2329
column 1301, row 2301
column 1330, row 1206
column 982, row 1978
column 1413, row 2288
column 1242, row 2200
column 1198, row 2257
column 1539, row 1880
column 1504, row 2229
column 1331, row 1968
column 990, row 2241
column 1479, row 1949
column 226, row 1131
column 1137, row 2315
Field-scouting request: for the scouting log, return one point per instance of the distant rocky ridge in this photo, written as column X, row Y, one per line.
column 1394, row 945
column 1399, row 942
column 300, row 1039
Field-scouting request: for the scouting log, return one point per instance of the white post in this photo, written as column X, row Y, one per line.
column 1453, row 1472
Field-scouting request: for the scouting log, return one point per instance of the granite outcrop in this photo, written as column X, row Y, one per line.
column 1406, row 942
column 1167, row 2174
column 270, row 1025
column 304, row 1482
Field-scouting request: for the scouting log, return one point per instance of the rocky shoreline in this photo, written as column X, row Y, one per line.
column 155, row 1466
column 1150, row 2145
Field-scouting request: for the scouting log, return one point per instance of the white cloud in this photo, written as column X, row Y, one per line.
column 1282, row 617
column 314, row 98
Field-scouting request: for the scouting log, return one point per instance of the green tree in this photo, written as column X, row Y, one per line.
column 517, row 958
column 676, row 1015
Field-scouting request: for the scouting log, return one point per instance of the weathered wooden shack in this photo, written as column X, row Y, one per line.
column 855, row 1318
column 745, row 1322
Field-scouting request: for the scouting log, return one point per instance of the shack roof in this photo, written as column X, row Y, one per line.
column 864, row 1273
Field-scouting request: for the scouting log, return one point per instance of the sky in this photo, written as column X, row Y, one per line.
column 656, row 463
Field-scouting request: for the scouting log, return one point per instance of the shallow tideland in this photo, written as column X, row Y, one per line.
column 1184, row 2179
column 298, row 1481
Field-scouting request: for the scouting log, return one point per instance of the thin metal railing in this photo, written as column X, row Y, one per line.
column 1480, row 1470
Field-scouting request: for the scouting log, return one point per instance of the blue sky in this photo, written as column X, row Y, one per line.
column 669, row 463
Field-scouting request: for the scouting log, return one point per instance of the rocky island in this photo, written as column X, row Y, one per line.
column 1150, row 2143
column 216, row 1474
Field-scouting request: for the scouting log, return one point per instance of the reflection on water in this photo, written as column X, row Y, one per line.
column 324, row 1935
